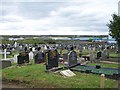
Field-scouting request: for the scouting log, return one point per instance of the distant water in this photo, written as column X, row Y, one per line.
column 110, row 40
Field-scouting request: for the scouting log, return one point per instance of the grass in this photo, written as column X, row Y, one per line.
column 35, row 76
column 0, row 56
column 114, row 55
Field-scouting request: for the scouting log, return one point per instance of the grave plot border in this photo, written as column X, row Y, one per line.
column 92, row 69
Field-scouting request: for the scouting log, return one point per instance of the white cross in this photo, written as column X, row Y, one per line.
column 5, row 53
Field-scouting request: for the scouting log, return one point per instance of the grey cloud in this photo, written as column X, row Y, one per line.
column 37, row 10
column 5, row 20
column 8, row 28
column 41, row 10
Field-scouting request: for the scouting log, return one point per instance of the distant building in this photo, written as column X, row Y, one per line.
column 119, row 8
column 16, row 38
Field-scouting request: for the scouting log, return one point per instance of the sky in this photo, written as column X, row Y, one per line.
column 56, row 17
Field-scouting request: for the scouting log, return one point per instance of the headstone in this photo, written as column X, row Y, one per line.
column 20, row 48
column 91, row 56
column 13, row 49
column 15, row 44
column 99, row 54
column 105, row 54
column 84, row 48
column 72, row 58
column 81, row 49
column 15, row 58
column 93, row 48
column 33, row 49
column 5, row 63
column 67, row 73
column 31, row 55
column 23, row 58
column 39, row 57
column 5, row 53
column 52, row 57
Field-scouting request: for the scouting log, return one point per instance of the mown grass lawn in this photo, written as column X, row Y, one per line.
column 35, row 76
column 114, row 55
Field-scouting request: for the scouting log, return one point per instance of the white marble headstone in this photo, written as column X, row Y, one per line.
column 31, row 55
column 15, row 58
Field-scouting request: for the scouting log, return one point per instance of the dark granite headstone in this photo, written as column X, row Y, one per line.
column 23, row 58
column 99, row 54
column 52, row 57
column 72, row 58
column 39, row 58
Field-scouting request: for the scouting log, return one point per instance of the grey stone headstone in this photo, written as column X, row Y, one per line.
column 105, row 54
column 72, row 58
column 81, row 49
column 5, row 64
column 92, row 56
column 39, row 57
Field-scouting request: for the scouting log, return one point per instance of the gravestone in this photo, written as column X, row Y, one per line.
column 39, row 57
column 72, row 58
column 105, row 54
column 31, row 55
column 67, row 73
column 81, row 49
column 99, row 54
column 20, row 48
column 94, row 49
column 15, row 58
column 23, row 57
column 91, row 56
column 5, row 63
column 5, row 53
column 52, row 57
column 15, row 44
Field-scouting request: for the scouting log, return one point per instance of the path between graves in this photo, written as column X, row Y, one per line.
column 109, row 62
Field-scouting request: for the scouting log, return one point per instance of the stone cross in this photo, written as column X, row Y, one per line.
column 5, row 53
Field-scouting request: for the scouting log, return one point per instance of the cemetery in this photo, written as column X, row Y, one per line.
column 51, row 65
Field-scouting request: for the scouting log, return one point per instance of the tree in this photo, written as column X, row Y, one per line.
column 114, row 29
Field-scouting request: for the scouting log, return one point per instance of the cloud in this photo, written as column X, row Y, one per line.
column 83, row 17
